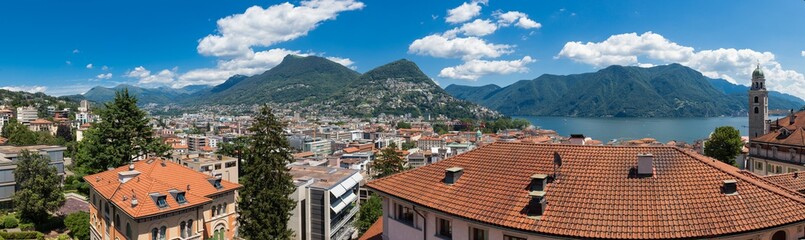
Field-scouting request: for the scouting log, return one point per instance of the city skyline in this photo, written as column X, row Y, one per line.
column 455, row 42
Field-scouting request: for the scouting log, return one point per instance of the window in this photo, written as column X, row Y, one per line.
column 223, row 208
column 162, row 201
column 128, row 231
column 231, row 164
column 180, row 198
column 217, row 166
column 755, row 99
column 507, row 237
column 189, row 228
column 478, row 234
column 162, row 231
column 154, row 234
column 183, row 229
column 405, row 215
column 779, row 169
column 212, row 213
column 205, row 168
column 769, row 167
column 790, row 170
column 444, row 229
column 217, row 184
column 756, row 110
column 117, row 221
column 759, row 166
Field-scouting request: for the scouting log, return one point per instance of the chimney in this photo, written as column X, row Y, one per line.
column 452, row 174
column 792, row 118
column 645, row 164
column 537, row 204
column 730, row 187
column 538, row 182
column 124, row 177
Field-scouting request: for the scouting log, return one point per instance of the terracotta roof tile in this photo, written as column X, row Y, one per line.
column 794, row 181
column 375, row 232
column 595, row 196
column 156, row 176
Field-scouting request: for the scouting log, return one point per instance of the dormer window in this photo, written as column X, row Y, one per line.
column 162, row 201
column 216, row 182
column 180, row 198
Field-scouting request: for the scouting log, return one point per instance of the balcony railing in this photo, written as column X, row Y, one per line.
column 343, row 219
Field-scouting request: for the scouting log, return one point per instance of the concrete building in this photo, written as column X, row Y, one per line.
column 215, row 165
column 327, row 203
column 556, row 191
column 196, row 142
column 8, row 162
column 320, row 147
column 26, row 115
column 430, row 142
column 5, row 116
column 158, row 199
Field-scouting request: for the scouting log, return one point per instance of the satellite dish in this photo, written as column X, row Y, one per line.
column 557, row 160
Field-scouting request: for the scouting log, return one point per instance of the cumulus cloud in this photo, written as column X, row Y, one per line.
column 257, row 63
column 89, row 66
column 104, row 76
column 144, row 76
column 346, row 62
column 464, row 12
column 76, row 51
column 477, row 28
column 474, row 69
column 68, row 62
column 30, row 89
column 803, row 53
column 734, row 65
column 267, row 26
column 519, row 19
column 468, row 48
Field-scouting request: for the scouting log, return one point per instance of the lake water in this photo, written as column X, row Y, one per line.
column 662, row 129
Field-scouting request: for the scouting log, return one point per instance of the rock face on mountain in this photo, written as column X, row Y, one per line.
column 617, row 91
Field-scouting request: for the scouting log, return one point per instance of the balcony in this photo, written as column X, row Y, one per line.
column 343, row 218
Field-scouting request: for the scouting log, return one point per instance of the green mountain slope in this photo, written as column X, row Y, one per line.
column 163, row 95
column 662, row 91
column 777, row 100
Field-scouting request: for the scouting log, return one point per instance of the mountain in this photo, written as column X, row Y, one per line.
column 162, row 95
column 777, row 100
column 616, row 91
column 13, row 99
column 295, row 79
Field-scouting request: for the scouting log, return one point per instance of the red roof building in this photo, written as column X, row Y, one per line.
column 552, row 191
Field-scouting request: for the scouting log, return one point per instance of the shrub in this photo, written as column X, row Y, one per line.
column 22, row 235
column 78, row 224
column 27, row 227
column 9, row 221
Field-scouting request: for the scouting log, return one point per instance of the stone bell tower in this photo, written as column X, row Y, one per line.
column 758, row 105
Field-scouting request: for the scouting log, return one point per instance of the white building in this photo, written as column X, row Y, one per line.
column 327, row 203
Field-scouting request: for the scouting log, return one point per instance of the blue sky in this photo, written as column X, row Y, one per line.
column 48, row 45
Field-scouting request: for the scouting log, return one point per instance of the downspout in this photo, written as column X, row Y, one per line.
column 424, row 223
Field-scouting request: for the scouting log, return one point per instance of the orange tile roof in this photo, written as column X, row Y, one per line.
column 375, row 232
column 794, row 181
column 156, row 176
column 41, row 121
column 594, row 195
column 351, row 150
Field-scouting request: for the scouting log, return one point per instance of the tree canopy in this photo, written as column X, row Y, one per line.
column 39, row 187
column 388, row 162
column 265, row 205
column 19, row 135
column 724, row 144
column 122, row 135
column 370, row 211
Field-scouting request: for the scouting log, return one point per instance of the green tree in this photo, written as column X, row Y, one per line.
column 388, row 162
column 233, row 148
column 403, row 125
column 724, row 144
column 122, row 135
column 64, row 132
column 370, row 211
column 78, row 224
column 265, row 206
column 39, row 187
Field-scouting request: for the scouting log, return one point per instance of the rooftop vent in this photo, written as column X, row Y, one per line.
column 645, row 164
column 124, row 177
column 538, row 182
column 730, row 187
column 452, row 174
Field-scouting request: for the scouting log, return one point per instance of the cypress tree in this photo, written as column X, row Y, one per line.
column 265, row 205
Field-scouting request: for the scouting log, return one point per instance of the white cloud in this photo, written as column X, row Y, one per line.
column 68, row 62
column 474, row 69
column 144, row 76
column 105, row 68
column 734, row 65
column 76, row 51
column 30, row 89
column 104, row 76
column 465, row 48
column 89, row 66
column 477, row 28
column 346, row 62
column 257, row 63
column 519, row 19
column 464, row 12
column 803, row 53
column 267, row 26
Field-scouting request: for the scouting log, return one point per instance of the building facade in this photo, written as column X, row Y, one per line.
column 159, row 199
column 8, row 162
column 758, row 105
column 326, row 203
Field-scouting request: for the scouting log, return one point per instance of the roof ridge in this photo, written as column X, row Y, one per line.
column 762, row 184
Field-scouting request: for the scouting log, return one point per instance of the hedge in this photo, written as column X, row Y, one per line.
column 22, row 235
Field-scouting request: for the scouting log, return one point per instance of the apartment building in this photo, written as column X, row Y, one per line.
column 327, row 203
column 159, row 199
column 553, row 191
column 196, row 142
column 321, row 147
column 26, row 115
column 215, row 165
column 8, row 162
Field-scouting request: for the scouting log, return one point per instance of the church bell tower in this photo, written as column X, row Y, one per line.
column 758, row 105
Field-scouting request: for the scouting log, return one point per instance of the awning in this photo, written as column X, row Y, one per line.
column 341, row 203
column 338, row 190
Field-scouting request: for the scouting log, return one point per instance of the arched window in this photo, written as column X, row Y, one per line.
column 213, row 211
column 223, row 206
column 755, row 99
column 189, row 228
column 183, row 229
column 128, row 231
column 154, row 234
column 756, row 110
column 779, row 235
column 220, row 209
column 117, row 221
column 162, row 232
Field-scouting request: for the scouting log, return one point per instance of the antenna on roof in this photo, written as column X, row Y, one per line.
column 557, row 164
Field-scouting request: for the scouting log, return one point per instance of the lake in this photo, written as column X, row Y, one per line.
column 662, row 129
